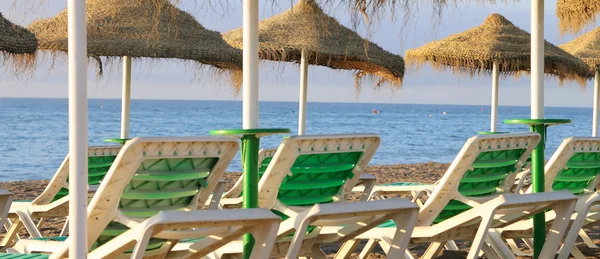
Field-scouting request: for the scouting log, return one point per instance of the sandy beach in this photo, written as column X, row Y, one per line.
column 425, row 173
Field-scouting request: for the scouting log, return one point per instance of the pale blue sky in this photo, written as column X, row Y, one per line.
column 279, row 82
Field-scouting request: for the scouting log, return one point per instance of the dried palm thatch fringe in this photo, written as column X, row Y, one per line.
column 17, row 46
column 119, row 28
column 587, row 48
column 497, row 39
column 573, row 15
column 327, row 42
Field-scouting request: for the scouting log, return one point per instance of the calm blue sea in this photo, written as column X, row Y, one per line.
column 34, row 132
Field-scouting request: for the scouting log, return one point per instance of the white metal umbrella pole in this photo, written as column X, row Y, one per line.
column 537, row 59
column 494, row 120
column 78, row 130
column 303, row 93
column 596, row 104
column 126, row 98
column 250, row 78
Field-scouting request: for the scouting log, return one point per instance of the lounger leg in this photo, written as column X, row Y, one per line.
column 404, row 223
column 141, row 244
column 12, row 232
column 451, row 245
column 40, row 223
column 296, row 242
column 367, row 249
column 563, row 211
column 499, row 247
column 347, row 248
column 215, row 199
column 5, row 201
column 433, row 250
column 528, row 242
column 369, row 184
column 65, row 229
column 264, row 238
column 587, row 240
column 29, row 224
column 489, row 252
column 515, row 248
column 576, row 253
column 480, row 236
column 569, row 241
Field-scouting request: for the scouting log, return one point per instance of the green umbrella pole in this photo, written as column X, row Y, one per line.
column 537, row 175
column 250, row 147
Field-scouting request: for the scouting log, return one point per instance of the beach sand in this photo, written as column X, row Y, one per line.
column 425, row 173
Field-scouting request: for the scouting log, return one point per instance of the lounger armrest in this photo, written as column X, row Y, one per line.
column 344, row 221
column 199, row 223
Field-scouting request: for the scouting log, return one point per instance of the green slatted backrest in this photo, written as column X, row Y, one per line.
column 317, row 178
column 581, row 170
column 97, row 168
column 166, row 184
column 489, row 171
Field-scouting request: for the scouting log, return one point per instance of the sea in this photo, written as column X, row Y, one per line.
column 34, row 132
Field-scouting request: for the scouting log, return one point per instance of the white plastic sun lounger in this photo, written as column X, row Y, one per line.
column 306, row 184
column 471, row 198
column 574, row 167
column 151, row 175
column 54, row 200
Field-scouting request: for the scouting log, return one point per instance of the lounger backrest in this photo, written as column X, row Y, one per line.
column 484, row 168
column 313, row 169
column 157, row 174
column 574, row 166
column 100, row 159
column 264, row 158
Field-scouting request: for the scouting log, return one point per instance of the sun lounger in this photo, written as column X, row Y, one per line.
column 472, row 197
column 151, row 175
column 54, row 200
column 574, row 167
column 307, row 183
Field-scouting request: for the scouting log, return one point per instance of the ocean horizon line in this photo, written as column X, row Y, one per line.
column 271, row 101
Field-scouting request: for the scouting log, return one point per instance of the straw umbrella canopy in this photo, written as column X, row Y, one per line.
column 306, row 34
column 498, row 46
column 573, row 15
column 17, row 43
column 143, row 29
column 587, row 48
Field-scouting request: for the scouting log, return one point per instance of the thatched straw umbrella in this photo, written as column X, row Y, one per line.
column 573, row 15
column 143, row 29
column 306, row 35
column 587, row 48
column 16, row 44
column 497, row 46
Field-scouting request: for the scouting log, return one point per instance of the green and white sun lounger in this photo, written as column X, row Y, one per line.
column 307, row 182
column 172, row 175
column 574, row 167
column 54, row 200
column 470, row 199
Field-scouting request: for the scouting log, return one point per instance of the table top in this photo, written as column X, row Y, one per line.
column 548, row 122
column 117, row 140
column 246, row 132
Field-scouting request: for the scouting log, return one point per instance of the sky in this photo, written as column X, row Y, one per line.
column 169, row 79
